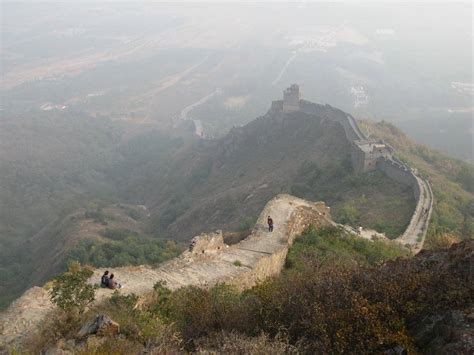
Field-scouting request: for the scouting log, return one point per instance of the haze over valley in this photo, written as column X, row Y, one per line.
column 156, row 139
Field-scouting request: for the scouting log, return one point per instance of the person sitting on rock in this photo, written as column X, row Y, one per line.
column 104, row 281
column 270, row 224
column 112, row 284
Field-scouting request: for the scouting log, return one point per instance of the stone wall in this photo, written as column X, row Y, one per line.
column 399, row 172
column 415, row 233
column 317, row 214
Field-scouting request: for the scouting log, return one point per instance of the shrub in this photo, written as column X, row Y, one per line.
column 70, row 290
column 237, row 343
column 118, row 233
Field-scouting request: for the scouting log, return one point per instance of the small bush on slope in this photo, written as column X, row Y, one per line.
column 70, row 290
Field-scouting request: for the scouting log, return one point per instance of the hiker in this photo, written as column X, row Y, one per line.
column 112, row 284
column 270, row 224
column 104, row 280
column 192, row 244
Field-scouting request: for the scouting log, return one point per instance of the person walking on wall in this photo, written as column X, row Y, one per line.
column 270, row 224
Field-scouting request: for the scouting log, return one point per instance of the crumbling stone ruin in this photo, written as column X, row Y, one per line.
column 207, row 243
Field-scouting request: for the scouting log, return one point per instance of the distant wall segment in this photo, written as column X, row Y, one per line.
column 415, row 233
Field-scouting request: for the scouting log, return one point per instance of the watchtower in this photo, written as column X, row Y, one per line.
column 291, row 98
column 366, row 153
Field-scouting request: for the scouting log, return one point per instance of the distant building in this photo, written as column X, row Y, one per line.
column 291, row 98
column 365, row 154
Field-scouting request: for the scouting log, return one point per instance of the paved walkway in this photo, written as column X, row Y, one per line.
column 414, row 235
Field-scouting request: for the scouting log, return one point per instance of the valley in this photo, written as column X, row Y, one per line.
column 248, row 178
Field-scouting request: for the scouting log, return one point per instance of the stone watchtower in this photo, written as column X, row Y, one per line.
column 365, row 154
column 291, row 99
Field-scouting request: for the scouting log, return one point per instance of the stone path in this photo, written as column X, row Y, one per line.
column 414, row 235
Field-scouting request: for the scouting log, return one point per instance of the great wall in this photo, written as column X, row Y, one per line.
column 260, row 255
column 255, row 258
column 368, row 154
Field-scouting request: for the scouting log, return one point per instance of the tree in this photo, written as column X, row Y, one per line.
column 70, row 290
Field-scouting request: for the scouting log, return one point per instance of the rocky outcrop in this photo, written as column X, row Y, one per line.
column 24, row 315
column 99, row 325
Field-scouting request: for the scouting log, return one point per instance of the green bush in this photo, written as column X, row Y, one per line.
column 70, row 290
column 238, row 263
column 97, row 216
